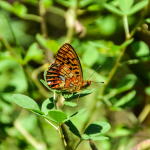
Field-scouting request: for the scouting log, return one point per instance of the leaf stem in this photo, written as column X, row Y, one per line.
column 51, row 124
column 78, row 144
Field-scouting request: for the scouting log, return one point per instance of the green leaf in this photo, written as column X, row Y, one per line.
column 126, row 83
column 33, row 53
column 70, row 103
column 113, row 9
column 53, row 45
column 99, row 44
column 72, row 128
column 125, row 99
column 50, row 119
column 25, row 101
column 121, row 131
column 115, row 48
column 125, row 5
column 58, row 116
column 147, row 90
column 137, row 7
column 47, row 105
column 140, row 49
column 99, row 138
column 45, row 75
column 41, row 40
column 75, row 114
column 90, row 56
column 16, row 80
column 94, row 138
column 38, row 112
column 45, row 84
column 148, row 20
column 125, row 44
column 19, row 9
column 95, row 129
column 76, row 95
column 66, row 3
column 5, row 5
column 85, row 3
column 47, row 3
column 95, row 7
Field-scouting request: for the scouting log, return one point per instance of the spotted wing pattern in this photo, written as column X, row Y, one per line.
column 65, row 73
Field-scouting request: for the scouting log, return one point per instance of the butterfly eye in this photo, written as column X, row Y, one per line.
column 86, row 83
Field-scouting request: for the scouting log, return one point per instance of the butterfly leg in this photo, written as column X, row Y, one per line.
column 78, row 97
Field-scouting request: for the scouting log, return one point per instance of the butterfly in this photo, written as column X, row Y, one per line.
column 66, row 74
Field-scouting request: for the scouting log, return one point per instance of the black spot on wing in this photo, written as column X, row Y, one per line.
column 77, row 72
column 70, row 68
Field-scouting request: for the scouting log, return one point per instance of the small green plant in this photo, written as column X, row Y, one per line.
column 57, row 117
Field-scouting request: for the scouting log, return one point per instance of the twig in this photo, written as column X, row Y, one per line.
column 34, row 78
column 29, row 137
column 126, row 27
column 9, row 48
column 42, row 12
column 62, row 138
column 31, row 17
column 93, row 146
column 71, row 17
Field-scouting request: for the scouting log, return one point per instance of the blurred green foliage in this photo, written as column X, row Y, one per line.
column 111, row 33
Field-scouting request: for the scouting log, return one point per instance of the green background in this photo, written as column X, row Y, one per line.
column 110, row 33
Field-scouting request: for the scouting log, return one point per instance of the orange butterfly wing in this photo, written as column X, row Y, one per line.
column 66, row 73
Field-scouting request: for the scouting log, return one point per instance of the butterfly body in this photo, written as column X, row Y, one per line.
column 65, row 74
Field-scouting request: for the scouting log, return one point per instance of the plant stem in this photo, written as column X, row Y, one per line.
column 34, row 78
column 9, row 48
column 71, row 15
column 78, row 144
column 51, row 124
column 42, row 12
column 126, row 27
column 12, row 32
column 62, row 138
column 56, row 10
column 31, row 17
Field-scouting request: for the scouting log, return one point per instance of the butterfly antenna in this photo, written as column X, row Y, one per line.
column 97, row 82
column 94, row 72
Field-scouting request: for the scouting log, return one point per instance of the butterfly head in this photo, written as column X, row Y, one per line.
column 85, row 84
